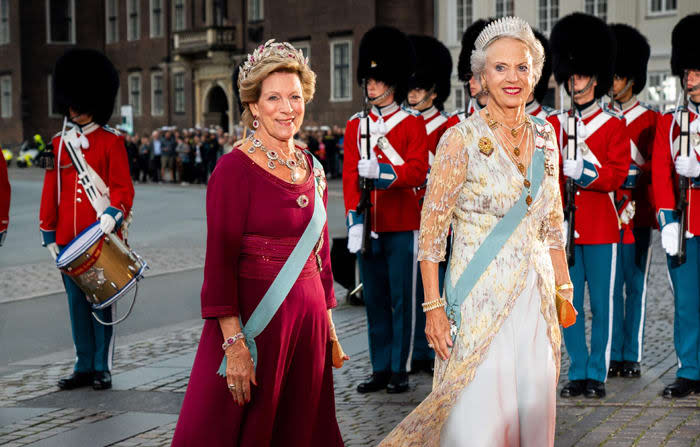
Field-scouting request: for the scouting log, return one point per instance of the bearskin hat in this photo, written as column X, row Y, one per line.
column 236, row 87
column 543, row 84
column 433, row 67
column 583, row 44
column 464, row 65
column 386, row 55
column 684, row 52
column 86, row 81
column 633, row 53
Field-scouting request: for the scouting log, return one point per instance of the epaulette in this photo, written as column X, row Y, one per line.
column 671, row 111
column 547, row 110
column 301, row 144
column 614, row 113
column 553, row 112
column 111, row 130
column 445, row 114
column 652, row 107
column 358, row 115
column 410, row 111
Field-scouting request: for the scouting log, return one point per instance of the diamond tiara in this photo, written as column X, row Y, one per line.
column 503, row 26
column 271, row 48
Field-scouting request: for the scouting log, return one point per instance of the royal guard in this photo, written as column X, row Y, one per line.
column 534, row 104
column 633, row 203
column 595, row 166
column 85, row 84
column 675, row 173
column 428, row 89
column 475, row 96
column 386, row 158
column 5, row 193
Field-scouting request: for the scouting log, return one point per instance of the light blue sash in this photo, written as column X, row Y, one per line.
column 282, row 284
column 491, row 246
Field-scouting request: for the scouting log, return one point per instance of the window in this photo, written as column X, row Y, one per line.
column 157, row 94
column 60, row 26
column 117, row 102
column 255, row 10
column 305, row 47
column 156, row 18
column 4, row 21
column 341, row 78
column 548, row 13
column 459, row 98
column 661, row 89
column 662, row 7
column 133, row 22
column 135, row 93
column 220, row 12
column 179, row 85
column 504, row 8
column 112, row 11
column 465, row 10
column 178, row 15
column 6, row 96
column 598, row 8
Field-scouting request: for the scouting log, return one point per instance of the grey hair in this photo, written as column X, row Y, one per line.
column 515, row 28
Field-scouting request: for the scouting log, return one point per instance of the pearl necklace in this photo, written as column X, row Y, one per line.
column 274, row 159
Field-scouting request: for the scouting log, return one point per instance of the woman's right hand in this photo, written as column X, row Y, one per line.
column 240, row 372
column 437, row 330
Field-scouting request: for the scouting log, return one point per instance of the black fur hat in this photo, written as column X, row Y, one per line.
column 236, row 87
column 633, row 53
column 386, row 55
column 543, row 84
column 583, row 44
column 464, row 66
column 433, row 68
column 684, row 52
column 86, row 81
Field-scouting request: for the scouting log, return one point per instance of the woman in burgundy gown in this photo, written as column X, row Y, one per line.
column 255, row 218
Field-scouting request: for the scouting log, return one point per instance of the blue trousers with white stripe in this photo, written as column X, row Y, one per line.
column 630, row 306
column 686, row 324
column 387, row 274
column 596, row 265
column 94, row 344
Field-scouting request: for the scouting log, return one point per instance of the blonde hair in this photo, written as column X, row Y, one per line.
column 250, row 87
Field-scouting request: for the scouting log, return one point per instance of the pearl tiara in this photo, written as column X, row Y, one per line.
column 271, row 48
column 508, row 26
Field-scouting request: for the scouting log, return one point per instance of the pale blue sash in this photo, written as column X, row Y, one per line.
column 491, row 246
column 285, row 279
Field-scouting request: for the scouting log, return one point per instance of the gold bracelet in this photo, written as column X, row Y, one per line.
column 565, row 286
column 434, row 304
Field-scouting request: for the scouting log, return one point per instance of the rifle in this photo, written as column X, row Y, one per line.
column 683, row 182
column 364, row 207
column 570, row 210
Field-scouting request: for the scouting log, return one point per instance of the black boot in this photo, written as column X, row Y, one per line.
column 75, row 380
column 682, row 387
column 422, row 365
column 573, row 388
column 377, row 381
column 631, row 370
column 102, row 380
column 615, row 368
column 398, row 383
column 595, row 389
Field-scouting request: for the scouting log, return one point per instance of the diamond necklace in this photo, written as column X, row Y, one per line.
column 273, row 158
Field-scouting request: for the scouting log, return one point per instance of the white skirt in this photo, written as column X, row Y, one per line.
column 512, row 400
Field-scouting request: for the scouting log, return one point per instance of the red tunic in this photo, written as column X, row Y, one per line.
column 4, row 197
column 253, row 223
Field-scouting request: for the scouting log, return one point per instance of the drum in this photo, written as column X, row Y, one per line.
column 101, row 265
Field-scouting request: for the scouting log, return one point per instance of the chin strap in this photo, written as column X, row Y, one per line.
column 425, row 99
column 585, row 89
column 623, row 91
column 381, row 97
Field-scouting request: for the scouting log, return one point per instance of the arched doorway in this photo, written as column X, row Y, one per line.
column 216, row 108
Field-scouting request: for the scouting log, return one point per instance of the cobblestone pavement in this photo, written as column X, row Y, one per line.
column 632, row 414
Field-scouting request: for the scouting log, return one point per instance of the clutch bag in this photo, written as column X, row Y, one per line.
column 565, row 311
column 337, row 354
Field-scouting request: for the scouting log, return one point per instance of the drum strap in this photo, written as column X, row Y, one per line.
column 282, row 284
column 95, row 188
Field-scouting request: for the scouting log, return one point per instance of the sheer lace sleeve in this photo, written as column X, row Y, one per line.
column 555, row 225
column 447, row 175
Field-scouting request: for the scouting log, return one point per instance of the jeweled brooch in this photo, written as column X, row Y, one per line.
column 485, row 146
column 302, row 201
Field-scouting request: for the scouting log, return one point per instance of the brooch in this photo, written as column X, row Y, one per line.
column 485, row 146
column 302, row 201
column 320, row 181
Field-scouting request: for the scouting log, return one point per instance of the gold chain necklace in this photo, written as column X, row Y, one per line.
column 521, row 167
column 274, row 159
column 494, row 124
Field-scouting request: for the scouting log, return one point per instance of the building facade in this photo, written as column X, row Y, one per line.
column 176, row 57
column 653, row 18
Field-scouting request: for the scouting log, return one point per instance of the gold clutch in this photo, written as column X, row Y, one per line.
column 565, row 311
column 337, row 354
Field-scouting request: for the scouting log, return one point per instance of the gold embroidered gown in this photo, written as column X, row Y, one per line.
column 498, row 388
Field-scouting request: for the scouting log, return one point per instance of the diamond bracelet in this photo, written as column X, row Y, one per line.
column 434, row 304
column 231, row 340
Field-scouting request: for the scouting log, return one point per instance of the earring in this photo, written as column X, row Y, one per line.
column 256, row 123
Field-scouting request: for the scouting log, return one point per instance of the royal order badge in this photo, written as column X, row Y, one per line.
column 485, row 146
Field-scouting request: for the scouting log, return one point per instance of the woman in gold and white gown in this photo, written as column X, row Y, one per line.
column 495, row 385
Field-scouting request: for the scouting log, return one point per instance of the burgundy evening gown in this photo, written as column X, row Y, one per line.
column 254, row 220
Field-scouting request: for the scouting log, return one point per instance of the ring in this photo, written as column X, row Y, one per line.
column 232, row 387
column 430, row 345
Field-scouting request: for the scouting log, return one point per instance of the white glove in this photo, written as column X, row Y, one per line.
column 627, row 214
column 368, row 168
column 107, row 223
column 53, row 250
column 669, row 238
column 355, row 238
column 573, row 168
column 688, row 166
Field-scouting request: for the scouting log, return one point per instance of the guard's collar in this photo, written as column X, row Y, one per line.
column 87, row 128
column 531, row 106
column 694, row 107
column 586, row 110
column 626, row 106
column 429, row 112
column 386, row 110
